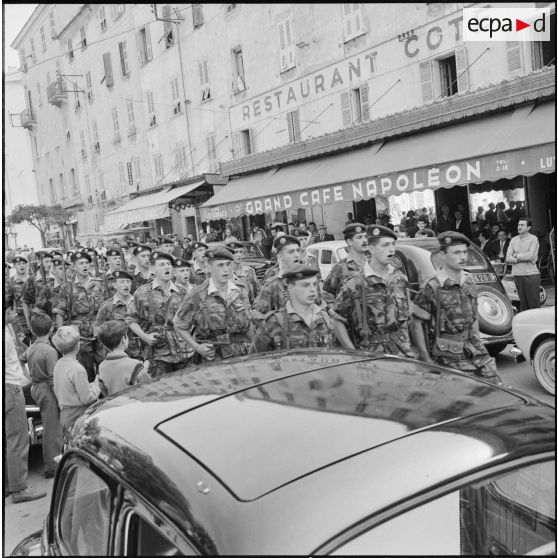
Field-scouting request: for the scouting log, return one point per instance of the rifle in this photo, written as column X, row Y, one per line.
column 362, row 316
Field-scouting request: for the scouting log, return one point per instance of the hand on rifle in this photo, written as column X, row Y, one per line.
column 151, row 338
column 206, row 350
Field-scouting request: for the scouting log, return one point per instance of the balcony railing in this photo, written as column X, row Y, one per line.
column 27, row 119
column 56, row 92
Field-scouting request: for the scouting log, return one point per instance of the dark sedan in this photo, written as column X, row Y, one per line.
column 307, row 452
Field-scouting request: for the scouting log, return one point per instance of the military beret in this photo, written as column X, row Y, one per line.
column 113, row 252
column 43, row 254
column 132, row 243
column 122, row 274
column 379, row 231
column 452, row 238
column 285, row 240
column 165, row 240
column 182, row 263
column 197, row 245
column 81, row 255
column 299, row 232
column 300, row 271
column 58, row 262
column 234, row 245
column 57, row 253
column 139, row 248
column 18, row 259
column 159, row 255
column 91, row 252
column 354, row 228
column 218, row 253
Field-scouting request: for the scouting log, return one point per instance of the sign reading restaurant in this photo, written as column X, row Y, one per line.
column 486, row 168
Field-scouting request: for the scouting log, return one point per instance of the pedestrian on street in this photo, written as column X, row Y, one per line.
column 372, row 309
column 301, row 322
column 218, row 311
column 447, row 306
column 523, row 251
column 15, row 418
column 71, row 386
column 41, row 359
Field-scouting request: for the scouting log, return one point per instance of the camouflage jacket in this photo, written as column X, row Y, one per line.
column 184, row 290
column 112, row 309
column 197, row 276
column 17, row 288
column 458, row 314
column 154, row 312
column 286, row 329
column 270, row 273
column 38, row 295
column 78, row 304
column 387, row 311
column 108, row 280
column 339, row 273
column 139, row 281
column 246, row 275
column 273, row 296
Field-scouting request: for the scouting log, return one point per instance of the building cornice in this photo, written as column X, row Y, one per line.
column 85, row 8
column 538, row 85
column 22, row 35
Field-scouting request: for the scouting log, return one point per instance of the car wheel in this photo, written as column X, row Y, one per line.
column 495, row 348
column 544, row 363
column 495, row 311
column 542, row 293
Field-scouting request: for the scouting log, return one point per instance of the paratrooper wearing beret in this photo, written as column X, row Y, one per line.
column 448, row 305
column 16, row 286
column 198, row 272
column 38, row 290
column 142, row 272
column 244, row 274
column 181, row 273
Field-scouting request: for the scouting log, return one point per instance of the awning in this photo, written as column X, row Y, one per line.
column 149, row 207
column 505, row 145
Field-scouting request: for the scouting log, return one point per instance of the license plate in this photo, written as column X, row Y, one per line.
column 484, row 277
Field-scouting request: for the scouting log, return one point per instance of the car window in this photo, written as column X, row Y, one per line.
column 253, row 251
column 341, row 254
column 84, row 512
column 326, row 256
column 514, row 513
column 145, row 540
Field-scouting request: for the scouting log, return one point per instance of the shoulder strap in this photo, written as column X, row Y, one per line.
column 135, row 372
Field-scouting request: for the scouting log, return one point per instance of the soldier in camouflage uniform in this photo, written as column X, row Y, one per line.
column 243, row 273
column 181, row 273
column 142, row 273
column 94, row 270
column 357, row 244
column 305, row 239
column 37, row 293
column 17, row 287
column 372, row 310
column 301, row 323
column 447, row 304
column 151, row 314
column 273, row 295
column 198, row 270
column 114, row 260
column 218, row 311
column 77, row 304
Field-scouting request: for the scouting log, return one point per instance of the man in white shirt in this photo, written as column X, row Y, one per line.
column 15, row 418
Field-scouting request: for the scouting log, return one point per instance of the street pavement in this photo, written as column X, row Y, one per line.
column 23, row 519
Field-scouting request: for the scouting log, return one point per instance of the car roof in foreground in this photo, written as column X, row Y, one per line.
column 310, row 424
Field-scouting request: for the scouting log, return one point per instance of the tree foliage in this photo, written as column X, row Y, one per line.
column 42, row 217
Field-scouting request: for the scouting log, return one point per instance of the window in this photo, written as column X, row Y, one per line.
column 130, row 109
column 95, row 131
column 180, row 158
column 243, row 143
column 239, row 82
column 118, row 10
column 448, row 76
column 158, row 164
column 88, row 86
column 151, row 109
column 122, row 176
column 102, row 18
column 293, row 125
column 62, row 184
column 544, row 52
column 107, row 64
column 203, row 75
column 101, row 179
column 197, row 15
column 353, row 25
column 143, row 41
column 231, row 7
column 48, row 78
column 39, row 94
column 74, row 183
column 83, row 42
column 212, row 153
column 286, row 44
column 67, row 129
column 167, row 25
column 145, row 540
column 33, row 52
column 82, row 144
column 355, row 106
column 52, row 190
column 175, row 92
column 43, row 39
column 513, row 513
column 136, row 164
column 52, row 25
column 88, row 189
column 123, row 58
column 70, row 50
column 326, row 256
column 115, row 125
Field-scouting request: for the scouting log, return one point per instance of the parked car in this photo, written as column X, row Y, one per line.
column 254, row 257
column 307, row 452
column 418, row 258
column 534, row 332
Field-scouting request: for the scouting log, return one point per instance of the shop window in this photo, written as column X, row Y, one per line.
column 544, row 52
column 197, row 15
column 239, row 81
column 293, row 125
column 355, row 106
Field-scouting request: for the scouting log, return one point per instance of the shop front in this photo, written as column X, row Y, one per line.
column 505, row 156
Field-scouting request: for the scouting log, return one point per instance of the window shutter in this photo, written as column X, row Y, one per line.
column 364, row 93
column 289, row 41
column 140, row 48
column 167, row 15
column 357, row 19
column 346, row 109
column 205, row 72
column 425, row 69
column 348, row 20
column 293, row 125
column 513, row 50
column 282, row 45
column 149, row 50
column 237, row 144
column 461, row 68
column 200, row 72
column 197, row 15
column 109, row 81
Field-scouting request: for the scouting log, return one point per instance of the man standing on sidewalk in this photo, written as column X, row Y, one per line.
column 523, row 252
column 15, row 418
